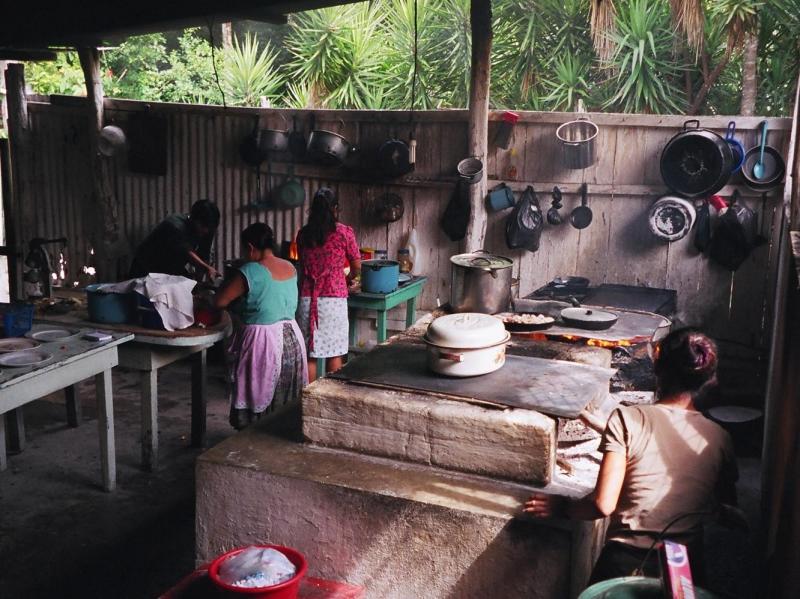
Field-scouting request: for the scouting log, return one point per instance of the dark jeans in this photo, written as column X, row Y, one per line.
column 618, row 559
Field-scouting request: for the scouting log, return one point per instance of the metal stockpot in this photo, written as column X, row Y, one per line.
column 480, row 282
column 577, row 142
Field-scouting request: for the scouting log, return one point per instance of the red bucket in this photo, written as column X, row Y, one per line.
column 284, row 590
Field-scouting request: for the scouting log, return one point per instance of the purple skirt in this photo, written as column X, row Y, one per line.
column 267, row 369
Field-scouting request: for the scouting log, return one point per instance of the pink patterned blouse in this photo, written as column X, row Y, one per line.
column 323, row 266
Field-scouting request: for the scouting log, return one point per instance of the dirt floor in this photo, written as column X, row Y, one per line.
column 61, row 536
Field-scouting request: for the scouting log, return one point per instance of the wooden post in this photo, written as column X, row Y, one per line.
column 478, row 142
column 105, row 233
column 19, row 136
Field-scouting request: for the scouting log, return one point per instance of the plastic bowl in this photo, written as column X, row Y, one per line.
column 284, row 590
column 110, row 308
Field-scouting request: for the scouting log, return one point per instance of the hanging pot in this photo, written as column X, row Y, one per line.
column 469, row 344
column 696, row 162
column 112, row 139
column 328, row 148
column 250, row 149
column 470, row 170
column 394, row 159
column 274, row 140
column 577, row 140
column 480, row 282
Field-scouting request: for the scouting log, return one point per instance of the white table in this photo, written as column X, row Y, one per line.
column 72, row 362
column 149, row 351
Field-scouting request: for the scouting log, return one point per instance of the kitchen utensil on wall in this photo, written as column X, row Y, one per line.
column 501, row 198
column 379, row 276
column 274, row 140
column 328, row 148
column 470, row 170
column 577, row 139
column 290, row 193
column 467, row 344
column 502, row 138
column 455, row 217
column 147, row 144
column 480, row 282
column 525, row 223
column 671, row 218
column 297, row 141
column 553, row 216
column 389, row 207
column 250, row 148
column 592, row 319
column 112, row 140
column 394, row 158
column 702, row 228
column 736, row 147
column 696, row 162
column 773, row 167
column 581, row 216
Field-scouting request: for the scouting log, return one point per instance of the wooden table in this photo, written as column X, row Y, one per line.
column 153, row 349
column 382, row 303
column 72, row 362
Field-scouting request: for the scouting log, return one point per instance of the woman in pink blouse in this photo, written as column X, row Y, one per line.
column 325, row 246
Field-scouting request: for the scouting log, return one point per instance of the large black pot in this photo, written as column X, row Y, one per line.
column 328, row 148
column 696, row 162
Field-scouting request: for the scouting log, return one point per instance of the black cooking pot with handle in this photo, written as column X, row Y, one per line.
column 696, row 162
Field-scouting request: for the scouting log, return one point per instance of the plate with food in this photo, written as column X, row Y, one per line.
column 525, row 322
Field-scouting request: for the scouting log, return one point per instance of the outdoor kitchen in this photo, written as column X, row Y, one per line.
column 396, row 353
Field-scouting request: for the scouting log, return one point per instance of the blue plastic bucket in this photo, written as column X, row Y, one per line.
column 379, row 276
column 17, row 319
column 110, row 308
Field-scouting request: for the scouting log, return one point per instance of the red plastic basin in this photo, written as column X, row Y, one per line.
column 284, row 590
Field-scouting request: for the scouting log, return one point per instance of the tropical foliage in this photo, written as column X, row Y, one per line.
column 655, row 56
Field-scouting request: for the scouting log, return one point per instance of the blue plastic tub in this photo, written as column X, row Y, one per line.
column 110, row 308
column 17, row 319
column 379, row 276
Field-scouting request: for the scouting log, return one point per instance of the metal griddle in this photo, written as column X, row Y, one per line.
column 550, row 386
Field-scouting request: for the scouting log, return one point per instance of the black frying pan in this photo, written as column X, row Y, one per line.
column 582, row 317
column 581, row 216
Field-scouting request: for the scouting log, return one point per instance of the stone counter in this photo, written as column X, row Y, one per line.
column 402, row 530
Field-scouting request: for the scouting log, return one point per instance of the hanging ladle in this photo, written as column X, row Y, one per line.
column 581, row 216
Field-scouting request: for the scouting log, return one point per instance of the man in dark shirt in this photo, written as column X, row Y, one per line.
column 178, row 241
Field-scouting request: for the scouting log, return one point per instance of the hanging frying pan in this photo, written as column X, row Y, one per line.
column 297, row 141
column 394, row 158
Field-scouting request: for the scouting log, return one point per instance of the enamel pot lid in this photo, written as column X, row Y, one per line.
column 482, row 260
column 467, row 330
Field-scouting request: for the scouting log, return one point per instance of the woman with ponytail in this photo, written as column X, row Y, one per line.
column 665, row 466
column 266, row 353
column 325, row 246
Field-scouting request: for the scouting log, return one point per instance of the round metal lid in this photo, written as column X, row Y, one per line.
column 482, row 260
column 588, row 314
column 467, row 330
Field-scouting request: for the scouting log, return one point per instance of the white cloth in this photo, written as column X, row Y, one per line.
column 171, row 296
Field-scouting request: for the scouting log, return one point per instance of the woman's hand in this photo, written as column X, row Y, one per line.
column 541, row 505
column 212, row 273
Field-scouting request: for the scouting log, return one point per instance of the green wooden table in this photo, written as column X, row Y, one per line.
column 382, row 303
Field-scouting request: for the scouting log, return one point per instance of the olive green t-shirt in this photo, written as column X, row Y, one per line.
column 677, row 461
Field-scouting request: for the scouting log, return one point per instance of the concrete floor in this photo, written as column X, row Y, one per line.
column 60, row 535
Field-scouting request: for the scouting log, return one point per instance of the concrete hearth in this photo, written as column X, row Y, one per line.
column 402, row 530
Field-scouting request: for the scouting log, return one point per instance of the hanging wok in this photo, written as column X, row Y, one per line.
column 696, row 162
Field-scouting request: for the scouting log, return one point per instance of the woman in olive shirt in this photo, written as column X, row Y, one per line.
column 266, row 353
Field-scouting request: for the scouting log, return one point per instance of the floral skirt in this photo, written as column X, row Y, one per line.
column 331, row 334
column 267, row 369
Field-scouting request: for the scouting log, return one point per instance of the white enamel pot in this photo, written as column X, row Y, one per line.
column 466, row 344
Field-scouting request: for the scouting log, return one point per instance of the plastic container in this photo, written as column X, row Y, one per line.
column 284, row 590
column 404, row 259
column 379, row 276
column 110, row 308
column 17, row 319
column 633, row 587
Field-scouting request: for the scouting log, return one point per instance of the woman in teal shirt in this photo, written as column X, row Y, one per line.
column 266, row 353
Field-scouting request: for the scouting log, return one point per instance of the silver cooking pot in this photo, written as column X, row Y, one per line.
column 480, row 282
